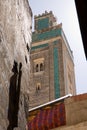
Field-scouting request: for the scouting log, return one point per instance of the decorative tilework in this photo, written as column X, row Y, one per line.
column 39, row 46
column 56, row 75
column 43, row 23
column 55, row 42
column 46, row 35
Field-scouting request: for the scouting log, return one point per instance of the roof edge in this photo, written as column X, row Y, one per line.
column 54, row 101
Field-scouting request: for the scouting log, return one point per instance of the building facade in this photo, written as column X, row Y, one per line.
column 15, row 40
column 52, row 65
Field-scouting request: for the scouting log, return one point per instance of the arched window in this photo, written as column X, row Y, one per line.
column 37, row 68
column 41, row 67
column 38, row 87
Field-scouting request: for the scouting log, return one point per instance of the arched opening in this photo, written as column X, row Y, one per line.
column 37, row 68
column 41, row 67
column 38, row 87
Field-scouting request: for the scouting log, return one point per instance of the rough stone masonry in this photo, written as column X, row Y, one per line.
column 15, row 39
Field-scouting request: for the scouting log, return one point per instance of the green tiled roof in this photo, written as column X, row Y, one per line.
column 46, row 35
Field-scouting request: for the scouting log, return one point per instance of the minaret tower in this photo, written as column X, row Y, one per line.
column 52, row 66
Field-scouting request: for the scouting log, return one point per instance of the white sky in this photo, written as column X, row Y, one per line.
column 65, row 12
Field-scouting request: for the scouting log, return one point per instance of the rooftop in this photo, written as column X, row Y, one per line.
column 65, row 111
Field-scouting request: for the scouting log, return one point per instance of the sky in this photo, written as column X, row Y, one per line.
column 65, row 12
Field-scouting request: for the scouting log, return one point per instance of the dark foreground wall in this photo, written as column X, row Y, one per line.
column 82, row 17
column 15, row 39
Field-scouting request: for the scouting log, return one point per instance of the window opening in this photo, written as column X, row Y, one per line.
column 37, row 67
column 41, row 67
column 38, row 87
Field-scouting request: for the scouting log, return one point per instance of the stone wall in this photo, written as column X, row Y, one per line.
column 15, row 39
column 76, row 113
column 79, row 126
column 68, row 65
column 36, row 97
column 76, row 109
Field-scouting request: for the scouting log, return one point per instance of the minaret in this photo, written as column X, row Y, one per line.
column 52, row 65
